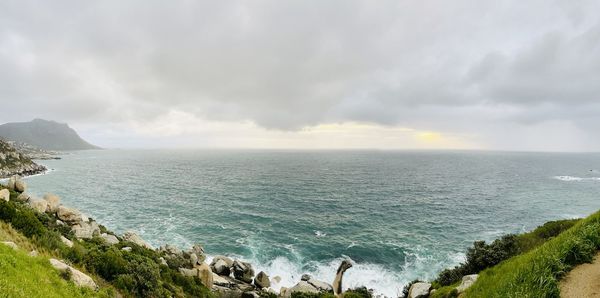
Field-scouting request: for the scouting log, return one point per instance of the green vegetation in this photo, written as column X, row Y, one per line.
column 25, row 276
column 135, row 273
column 483, row 255
column 360, row 292
column 536, row 273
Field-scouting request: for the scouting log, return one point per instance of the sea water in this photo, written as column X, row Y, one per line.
column 399, row 215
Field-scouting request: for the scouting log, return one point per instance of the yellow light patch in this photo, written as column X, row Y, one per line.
column 429, row 136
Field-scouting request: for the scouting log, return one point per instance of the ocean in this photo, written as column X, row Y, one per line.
column 399, row 215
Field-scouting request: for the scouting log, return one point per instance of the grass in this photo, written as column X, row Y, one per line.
column 26, row 276
column 537, row 272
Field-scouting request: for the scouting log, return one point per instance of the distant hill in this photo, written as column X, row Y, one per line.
column 44, row 134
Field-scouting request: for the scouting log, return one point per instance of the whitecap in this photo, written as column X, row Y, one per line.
column 320, row 234
column 573, row 178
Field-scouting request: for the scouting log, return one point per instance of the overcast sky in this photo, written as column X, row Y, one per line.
column 499, row 75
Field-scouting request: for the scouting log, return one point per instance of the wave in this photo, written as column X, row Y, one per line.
column 573, row 178
column 320, row 234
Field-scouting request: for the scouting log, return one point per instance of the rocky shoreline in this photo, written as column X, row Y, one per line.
column 14, row 162
column 223, row 275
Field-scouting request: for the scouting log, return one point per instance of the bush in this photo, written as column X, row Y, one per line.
column 361, row 292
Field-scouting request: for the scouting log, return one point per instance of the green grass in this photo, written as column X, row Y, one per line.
column 24, row 276
column 537, row 272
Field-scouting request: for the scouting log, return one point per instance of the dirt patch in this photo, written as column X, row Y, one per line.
column 583, row 281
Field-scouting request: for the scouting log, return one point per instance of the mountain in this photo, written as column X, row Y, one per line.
column 13, row 162
column 44, row 134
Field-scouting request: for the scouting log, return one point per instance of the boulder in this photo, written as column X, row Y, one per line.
column 305, row 277
column 276, row 279
column 223, row 281
column 70, row 216
column 10, row 244
column 163, row 261
column 171, row 250
column 53, row 202
column 20, row 185
column 126, row 248
column 205, row 275
column 467, row 281
column 33, row 253
column 11, row 182
column 188, row 272
column 320, row 285
column 198, row 250
column 77, row 277
column 419, row 290
column 5, row 194
column 23, row 197
column 284, row 292
column 39, row 206
column 109, row 239
column 66, row 241
column 262, row 280
column 86, row 230
column 133, row 237
column 221, row 266
column 243, row 271
column 303, row 287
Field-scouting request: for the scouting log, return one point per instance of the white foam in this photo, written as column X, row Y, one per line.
column 320, row 234
column 573, row 178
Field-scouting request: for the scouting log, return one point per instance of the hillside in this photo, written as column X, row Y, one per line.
column 44, row 134
column 13, row 162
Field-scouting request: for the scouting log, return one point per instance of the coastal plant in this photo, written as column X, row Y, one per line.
column 482, row 255
column 537, row 273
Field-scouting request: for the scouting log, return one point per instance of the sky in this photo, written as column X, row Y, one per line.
column 492, row 75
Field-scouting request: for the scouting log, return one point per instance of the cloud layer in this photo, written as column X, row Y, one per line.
column 462, row 67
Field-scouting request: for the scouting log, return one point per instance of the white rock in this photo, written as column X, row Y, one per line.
column 5, row 194
column 109, row 239
column 39, row 206
column 11, row 182
column 10, row 244
column 33, row 253
column 133, row 237
column 23, row 197
column 303, row 287
column 126, row 248
column 467, row 281
column 70, row 216
column 53, row 202
column 419, row 290
column 78, row 277
column 66, row 241
column 320, row 285
column 86, row 230
column 20, row 185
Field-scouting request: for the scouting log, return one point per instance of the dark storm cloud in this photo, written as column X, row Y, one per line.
column 288, row 64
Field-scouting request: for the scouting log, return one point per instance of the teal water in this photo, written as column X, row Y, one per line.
column 398, row 215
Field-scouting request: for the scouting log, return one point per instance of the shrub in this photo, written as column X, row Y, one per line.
column 361, row 292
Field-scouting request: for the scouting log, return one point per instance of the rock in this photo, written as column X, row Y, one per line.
column 276, row 279
column 250, row 294
column 320, row 285
column 188, row 272
column 205, row 275
column 86, row 230
column 10, row 244
column 262, row 280
column 70, row 216
column 221, row 267
column 11, row 182
column 243, row 271
column 126, row 248
column 20, row 185
column 23, row 197
column 5, row 195
column 467, row 281
column 419, row 290
column 133, row 237
column 77, row 277
column 170, row 249
column 60, row 222
column 305, row 277
column 40, row 206
column 303, row 287
column 193, row 259
column 198, row 250
column 53, row 202
column 222, row 281
column 163, row 261
column 284, row 292
column 33, row 253
column 110, row 239
column 66, row 241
